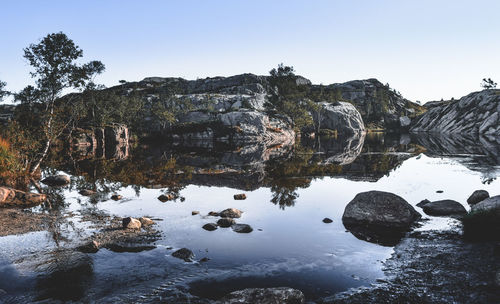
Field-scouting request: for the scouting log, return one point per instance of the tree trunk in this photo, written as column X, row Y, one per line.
column 48, row 134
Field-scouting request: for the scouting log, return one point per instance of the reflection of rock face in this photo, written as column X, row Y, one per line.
column 342, row 151
column 110, row 142
column 476, row 113
column 475, row 152
column 343, row 117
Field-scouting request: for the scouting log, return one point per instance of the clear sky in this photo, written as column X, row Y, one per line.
column 427, row 50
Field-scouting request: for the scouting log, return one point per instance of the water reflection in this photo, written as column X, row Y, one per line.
column 306, row 182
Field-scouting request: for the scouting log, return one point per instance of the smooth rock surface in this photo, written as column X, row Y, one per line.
column 184, row 254
column 231, row 213
column 444, row 208
column 242, row 228
column 131, row 223
column 478, row 196
column 342, row 117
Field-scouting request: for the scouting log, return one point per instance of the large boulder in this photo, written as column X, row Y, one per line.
column 277, row 295
column 491, row 204
column 444, row 208
column 483, row 221
column 14, row 198
column 379, row 217
column 341, row 117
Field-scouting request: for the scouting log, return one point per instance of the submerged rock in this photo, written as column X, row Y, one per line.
column 444, row 208
column 277, row 295
column 231, row 213
column 242, row 228
column 184, row 254
column 210, row 226
column 131, row 223
column 225, row 222
column 57, row 180
column 379, row 217
column 91, row 247
column 478, row 196
column 14, row 198
column 87, row 192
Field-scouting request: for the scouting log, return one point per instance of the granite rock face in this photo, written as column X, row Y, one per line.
column 342, row 117
column 474, row 114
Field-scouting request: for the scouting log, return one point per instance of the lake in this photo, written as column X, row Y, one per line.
column 290, row 190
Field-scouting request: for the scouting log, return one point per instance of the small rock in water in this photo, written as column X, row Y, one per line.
column 87, row 192
column 57, row 180
column 91, row 247
column 231, row 212
column 210, row 226
column 225, row 222
column 240, row 196
column 477, row 197
column 165, row 197
column 327, row 220
column 146, row 221
column 439, row 191
column 203, row 260
column 213, row 213
column 116, row 197
column 195, row 212
column 422, row 203
column 131, row 223
column 444, row 208
column 242, row 228
column 184, row 254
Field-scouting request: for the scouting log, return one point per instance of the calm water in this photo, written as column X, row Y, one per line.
column 289, row 191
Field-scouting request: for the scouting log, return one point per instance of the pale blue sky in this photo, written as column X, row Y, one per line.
column 425, row 49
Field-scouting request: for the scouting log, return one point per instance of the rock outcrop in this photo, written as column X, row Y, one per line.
column 475, row 114
column 372, row 99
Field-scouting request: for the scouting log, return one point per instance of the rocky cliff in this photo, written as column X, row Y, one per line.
column 474, row 114
column 203, row 99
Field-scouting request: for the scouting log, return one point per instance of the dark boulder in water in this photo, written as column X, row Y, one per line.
column 444, row 208
column 379, row 217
